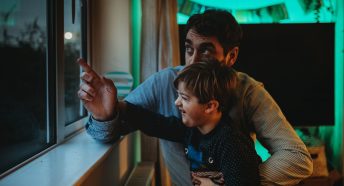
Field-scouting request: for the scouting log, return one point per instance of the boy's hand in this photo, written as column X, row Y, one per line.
column 201, row 181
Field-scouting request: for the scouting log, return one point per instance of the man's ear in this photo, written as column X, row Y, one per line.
column 212, row 106
column 232, row 56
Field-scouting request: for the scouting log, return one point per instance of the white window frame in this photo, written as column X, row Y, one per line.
column 63, row 132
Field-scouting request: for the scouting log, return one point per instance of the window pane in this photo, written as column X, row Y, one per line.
column 72, row 51
column 23, row 109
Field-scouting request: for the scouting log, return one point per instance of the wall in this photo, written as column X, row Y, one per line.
column 115, row 168
column 111, row 51
column 333, row 136
column 111, row 35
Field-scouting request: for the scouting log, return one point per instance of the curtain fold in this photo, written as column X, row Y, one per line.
column 160, row 37
column 159, row 49
column 169, row 36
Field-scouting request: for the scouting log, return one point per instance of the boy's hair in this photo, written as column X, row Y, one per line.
column 209, row 80
column 218, row 23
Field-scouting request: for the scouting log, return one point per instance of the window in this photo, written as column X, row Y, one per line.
column 72, row 51
column 31, row 120
column 24, row 126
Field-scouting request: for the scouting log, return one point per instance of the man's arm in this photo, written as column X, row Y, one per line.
column 99, row 94
column 290, row 161
column 105, row 131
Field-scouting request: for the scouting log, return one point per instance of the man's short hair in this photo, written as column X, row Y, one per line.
column 218, row 23
column 209, row 80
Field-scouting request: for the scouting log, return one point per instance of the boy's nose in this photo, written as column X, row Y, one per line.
column 177, row 101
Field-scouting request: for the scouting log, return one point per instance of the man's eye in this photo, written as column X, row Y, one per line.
column 188, row 49
column 207, row 51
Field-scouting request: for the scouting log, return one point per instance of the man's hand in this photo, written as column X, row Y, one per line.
column 97, row 93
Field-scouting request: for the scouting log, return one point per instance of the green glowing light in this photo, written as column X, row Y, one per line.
column 261, row 151
column 267, row 11
column 136, row 14
column 333, row 136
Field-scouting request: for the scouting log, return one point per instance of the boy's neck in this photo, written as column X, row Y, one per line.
column 212, row 122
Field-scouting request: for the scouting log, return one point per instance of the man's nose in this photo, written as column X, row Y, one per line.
column 195, row 57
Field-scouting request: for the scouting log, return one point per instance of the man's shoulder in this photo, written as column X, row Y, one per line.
column 247, row 83
column 170, row 70
column 168, row 73
column 246, row 79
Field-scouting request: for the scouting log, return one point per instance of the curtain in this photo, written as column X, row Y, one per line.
column 160, row 37
column 159, row 49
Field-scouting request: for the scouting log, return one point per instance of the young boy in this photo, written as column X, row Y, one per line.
column 215, row 147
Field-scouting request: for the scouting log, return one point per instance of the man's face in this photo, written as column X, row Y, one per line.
column 199, row 47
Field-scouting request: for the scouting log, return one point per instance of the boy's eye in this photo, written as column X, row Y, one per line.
column 183, row 97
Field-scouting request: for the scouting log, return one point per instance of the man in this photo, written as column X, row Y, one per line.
column 213, row 34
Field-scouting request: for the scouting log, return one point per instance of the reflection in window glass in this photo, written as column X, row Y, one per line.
column 23, row 79
column 72, row 51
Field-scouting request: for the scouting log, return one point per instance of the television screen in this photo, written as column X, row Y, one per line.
column 296, row 64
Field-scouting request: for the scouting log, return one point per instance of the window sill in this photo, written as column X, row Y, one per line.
column 65, row 164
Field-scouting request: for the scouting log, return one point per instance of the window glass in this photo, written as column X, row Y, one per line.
column 72, row 51
column 24, row 130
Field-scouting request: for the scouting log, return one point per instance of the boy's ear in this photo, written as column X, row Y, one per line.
column 212, row 106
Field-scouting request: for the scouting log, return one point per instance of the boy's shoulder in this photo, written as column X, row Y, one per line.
column 230, row 131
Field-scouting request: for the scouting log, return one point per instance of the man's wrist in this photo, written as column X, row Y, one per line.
column 116, row 110
column 103, row 119
column 112, row 116
column 110, row 120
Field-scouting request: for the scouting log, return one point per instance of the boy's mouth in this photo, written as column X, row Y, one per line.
column 182, row 111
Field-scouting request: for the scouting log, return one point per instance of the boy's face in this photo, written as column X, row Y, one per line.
column 198, row 47
column 193, row 113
